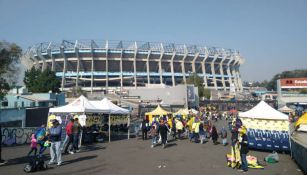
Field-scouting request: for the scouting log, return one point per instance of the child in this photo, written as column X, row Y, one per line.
column 153, row 134
column 33, row 145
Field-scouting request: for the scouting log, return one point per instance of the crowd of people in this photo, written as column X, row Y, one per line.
column 52, row 138
column 196, row 128
column 199, row 128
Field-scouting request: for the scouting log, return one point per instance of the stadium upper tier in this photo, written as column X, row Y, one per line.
column 111, row 64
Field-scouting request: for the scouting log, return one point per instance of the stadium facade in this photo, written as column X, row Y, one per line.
column 100, row 65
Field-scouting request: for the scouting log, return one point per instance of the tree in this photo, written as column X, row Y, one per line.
column 198, row 82
column 41, row 81
column 207, row 93
column 9, row 66
column 77, row 92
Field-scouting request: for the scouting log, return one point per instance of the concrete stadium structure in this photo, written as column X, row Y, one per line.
column 102, row 65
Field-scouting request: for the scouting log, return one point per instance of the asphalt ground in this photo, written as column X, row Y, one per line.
column 136, row 157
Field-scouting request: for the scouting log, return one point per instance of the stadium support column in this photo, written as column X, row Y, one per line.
column 160, row 67
column 134, row 64
column 239, row 77
column 193, row 62
column 222, row 72
column 78, row 67
column 52, row 59
column 203, row 67
column 234, row 75
column 147, row 65
column 228, row 72
column 92, row 72
column 64, row 69
column 183, row 68
column 213, row 71
column 172, row 68
column 107, row 70
column 121, row 70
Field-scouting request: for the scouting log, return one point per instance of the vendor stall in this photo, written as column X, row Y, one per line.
column 107, row 105
column 158, row 112
column 182, row 112
column 82, row 108
column 268, row 129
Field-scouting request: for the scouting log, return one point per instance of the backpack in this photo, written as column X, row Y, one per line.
column 40, row 134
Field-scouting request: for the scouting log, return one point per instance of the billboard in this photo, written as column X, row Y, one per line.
column 191, row 92
column 293, row 83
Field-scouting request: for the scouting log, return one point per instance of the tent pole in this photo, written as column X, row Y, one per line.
column 128, row 127
column 289, row 133
column 109, row 128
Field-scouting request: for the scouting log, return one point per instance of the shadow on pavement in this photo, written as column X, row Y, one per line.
column 170, row 145
column 79, row 159
column 88, row 148
column 22, row 160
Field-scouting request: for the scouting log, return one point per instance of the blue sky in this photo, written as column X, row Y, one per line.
column 270, row 34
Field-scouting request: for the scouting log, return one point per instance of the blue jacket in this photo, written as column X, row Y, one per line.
column 55, row 133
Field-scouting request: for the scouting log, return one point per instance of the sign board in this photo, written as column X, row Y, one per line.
column 293, row 83
column 191, row 92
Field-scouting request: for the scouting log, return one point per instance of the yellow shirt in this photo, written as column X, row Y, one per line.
column 195, row 127
column 179, row 125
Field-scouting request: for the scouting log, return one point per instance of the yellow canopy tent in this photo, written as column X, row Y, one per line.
column 302, row 120
column 183, row 112
column 157, row 112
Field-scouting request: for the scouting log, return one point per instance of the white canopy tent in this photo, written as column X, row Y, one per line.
column 285, row 109
column 107, row 105
column 79, row 105
column 263, row 111
column 83, row 105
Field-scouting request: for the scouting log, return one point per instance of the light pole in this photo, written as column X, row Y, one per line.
column 2, row 162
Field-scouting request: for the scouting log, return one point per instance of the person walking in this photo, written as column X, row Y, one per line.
column 153, row 134
column 55, row 133
column 69, row 136
column 243, row 149
column 202, row 132
column 144, row 129
column 224, row 136
column 195, row 130
column 214, row 135
column 179, row 127
column 163, row 129
column 174, row 129
column 33, row 145
column 76, row 131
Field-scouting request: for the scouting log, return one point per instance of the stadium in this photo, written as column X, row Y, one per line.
column 103, row 65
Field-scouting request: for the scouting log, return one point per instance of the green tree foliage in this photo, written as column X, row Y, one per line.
column 9, row 62
column 198, row 82
column 207, row 93
column 76, row 92
column 41, row 81
column 286, row 74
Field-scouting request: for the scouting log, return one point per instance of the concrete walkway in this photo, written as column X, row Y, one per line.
column 136, row 157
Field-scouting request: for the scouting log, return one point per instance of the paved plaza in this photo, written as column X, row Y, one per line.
column 136, row 157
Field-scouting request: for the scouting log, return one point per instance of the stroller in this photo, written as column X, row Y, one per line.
column 37, row 163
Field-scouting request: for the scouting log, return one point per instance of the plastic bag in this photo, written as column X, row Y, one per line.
column 272, row 158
